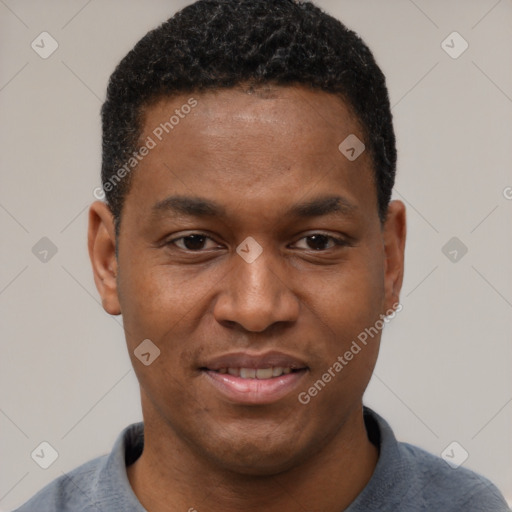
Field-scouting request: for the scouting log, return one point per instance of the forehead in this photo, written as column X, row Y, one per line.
column 290, row 112
column 266, row 145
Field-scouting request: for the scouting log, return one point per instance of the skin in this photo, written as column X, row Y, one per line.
column 256, row 154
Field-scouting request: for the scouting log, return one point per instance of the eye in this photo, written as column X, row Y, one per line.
column 193, row 242
column 321, row 242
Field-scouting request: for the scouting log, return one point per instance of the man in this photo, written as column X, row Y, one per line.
column 249, row 241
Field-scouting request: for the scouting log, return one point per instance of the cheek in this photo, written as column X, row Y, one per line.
column 155, row 308
column 347, row 305
column 154, row 301
column 352, row 296
column 165, row 306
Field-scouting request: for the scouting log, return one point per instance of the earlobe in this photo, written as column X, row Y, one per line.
column 394, row 247
column 102, row 252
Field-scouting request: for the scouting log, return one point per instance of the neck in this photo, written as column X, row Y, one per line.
column 169, row 473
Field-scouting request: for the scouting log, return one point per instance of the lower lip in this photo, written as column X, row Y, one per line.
column 254, row 391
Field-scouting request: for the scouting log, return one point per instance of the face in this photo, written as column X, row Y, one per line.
column 252, row 255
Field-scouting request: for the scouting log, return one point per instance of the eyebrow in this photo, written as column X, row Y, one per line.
column 201, row 207
column 189, row 206
column 320, row 206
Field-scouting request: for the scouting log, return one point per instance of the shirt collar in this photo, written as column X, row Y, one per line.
column 114, row 490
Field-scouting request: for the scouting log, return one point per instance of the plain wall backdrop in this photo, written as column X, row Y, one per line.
column 444, row 372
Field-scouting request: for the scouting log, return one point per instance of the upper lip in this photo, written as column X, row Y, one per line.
column 254, row 360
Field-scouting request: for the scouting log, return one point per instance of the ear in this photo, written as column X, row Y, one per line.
column 394, row 234
column 102, row 252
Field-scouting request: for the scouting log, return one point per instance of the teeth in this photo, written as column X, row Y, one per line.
column 260, row 373
column 264, row 373
column 247, row 373
column 276, row 371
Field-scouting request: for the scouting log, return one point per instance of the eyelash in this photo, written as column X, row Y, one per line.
column 338, row 242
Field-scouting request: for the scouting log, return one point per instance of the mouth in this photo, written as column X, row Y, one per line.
column 256, row 373
column 254, row 379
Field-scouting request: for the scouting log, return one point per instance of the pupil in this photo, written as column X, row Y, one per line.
column 194, row 242
column 317, row 242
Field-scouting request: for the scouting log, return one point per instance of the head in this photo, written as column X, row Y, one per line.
column 221, row 44
column 243, row 229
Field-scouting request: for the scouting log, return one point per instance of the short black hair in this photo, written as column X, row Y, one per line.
column 216, row 44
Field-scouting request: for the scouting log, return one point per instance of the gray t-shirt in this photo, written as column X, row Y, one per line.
column 406, row 479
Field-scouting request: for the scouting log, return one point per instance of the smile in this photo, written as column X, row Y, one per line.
column 257, row 373
column 248, row 378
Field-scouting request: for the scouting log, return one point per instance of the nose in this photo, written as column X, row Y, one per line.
column 256, row 295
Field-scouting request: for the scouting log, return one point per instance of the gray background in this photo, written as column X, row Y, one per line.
column 444, row 370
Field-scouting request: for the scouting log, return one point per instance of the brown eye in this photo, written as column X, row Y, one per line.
column 194, row 242
column 321, row 242
column 318, row 242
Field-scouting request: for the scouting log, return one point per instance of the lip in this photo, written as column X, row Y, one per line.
column 254, row 391
column 254, row 360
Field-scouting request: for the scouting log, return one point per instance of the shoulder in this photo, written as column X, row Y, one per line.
column 71, row 491
column 98, row 485
column 437, row 483
column 408, row 478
